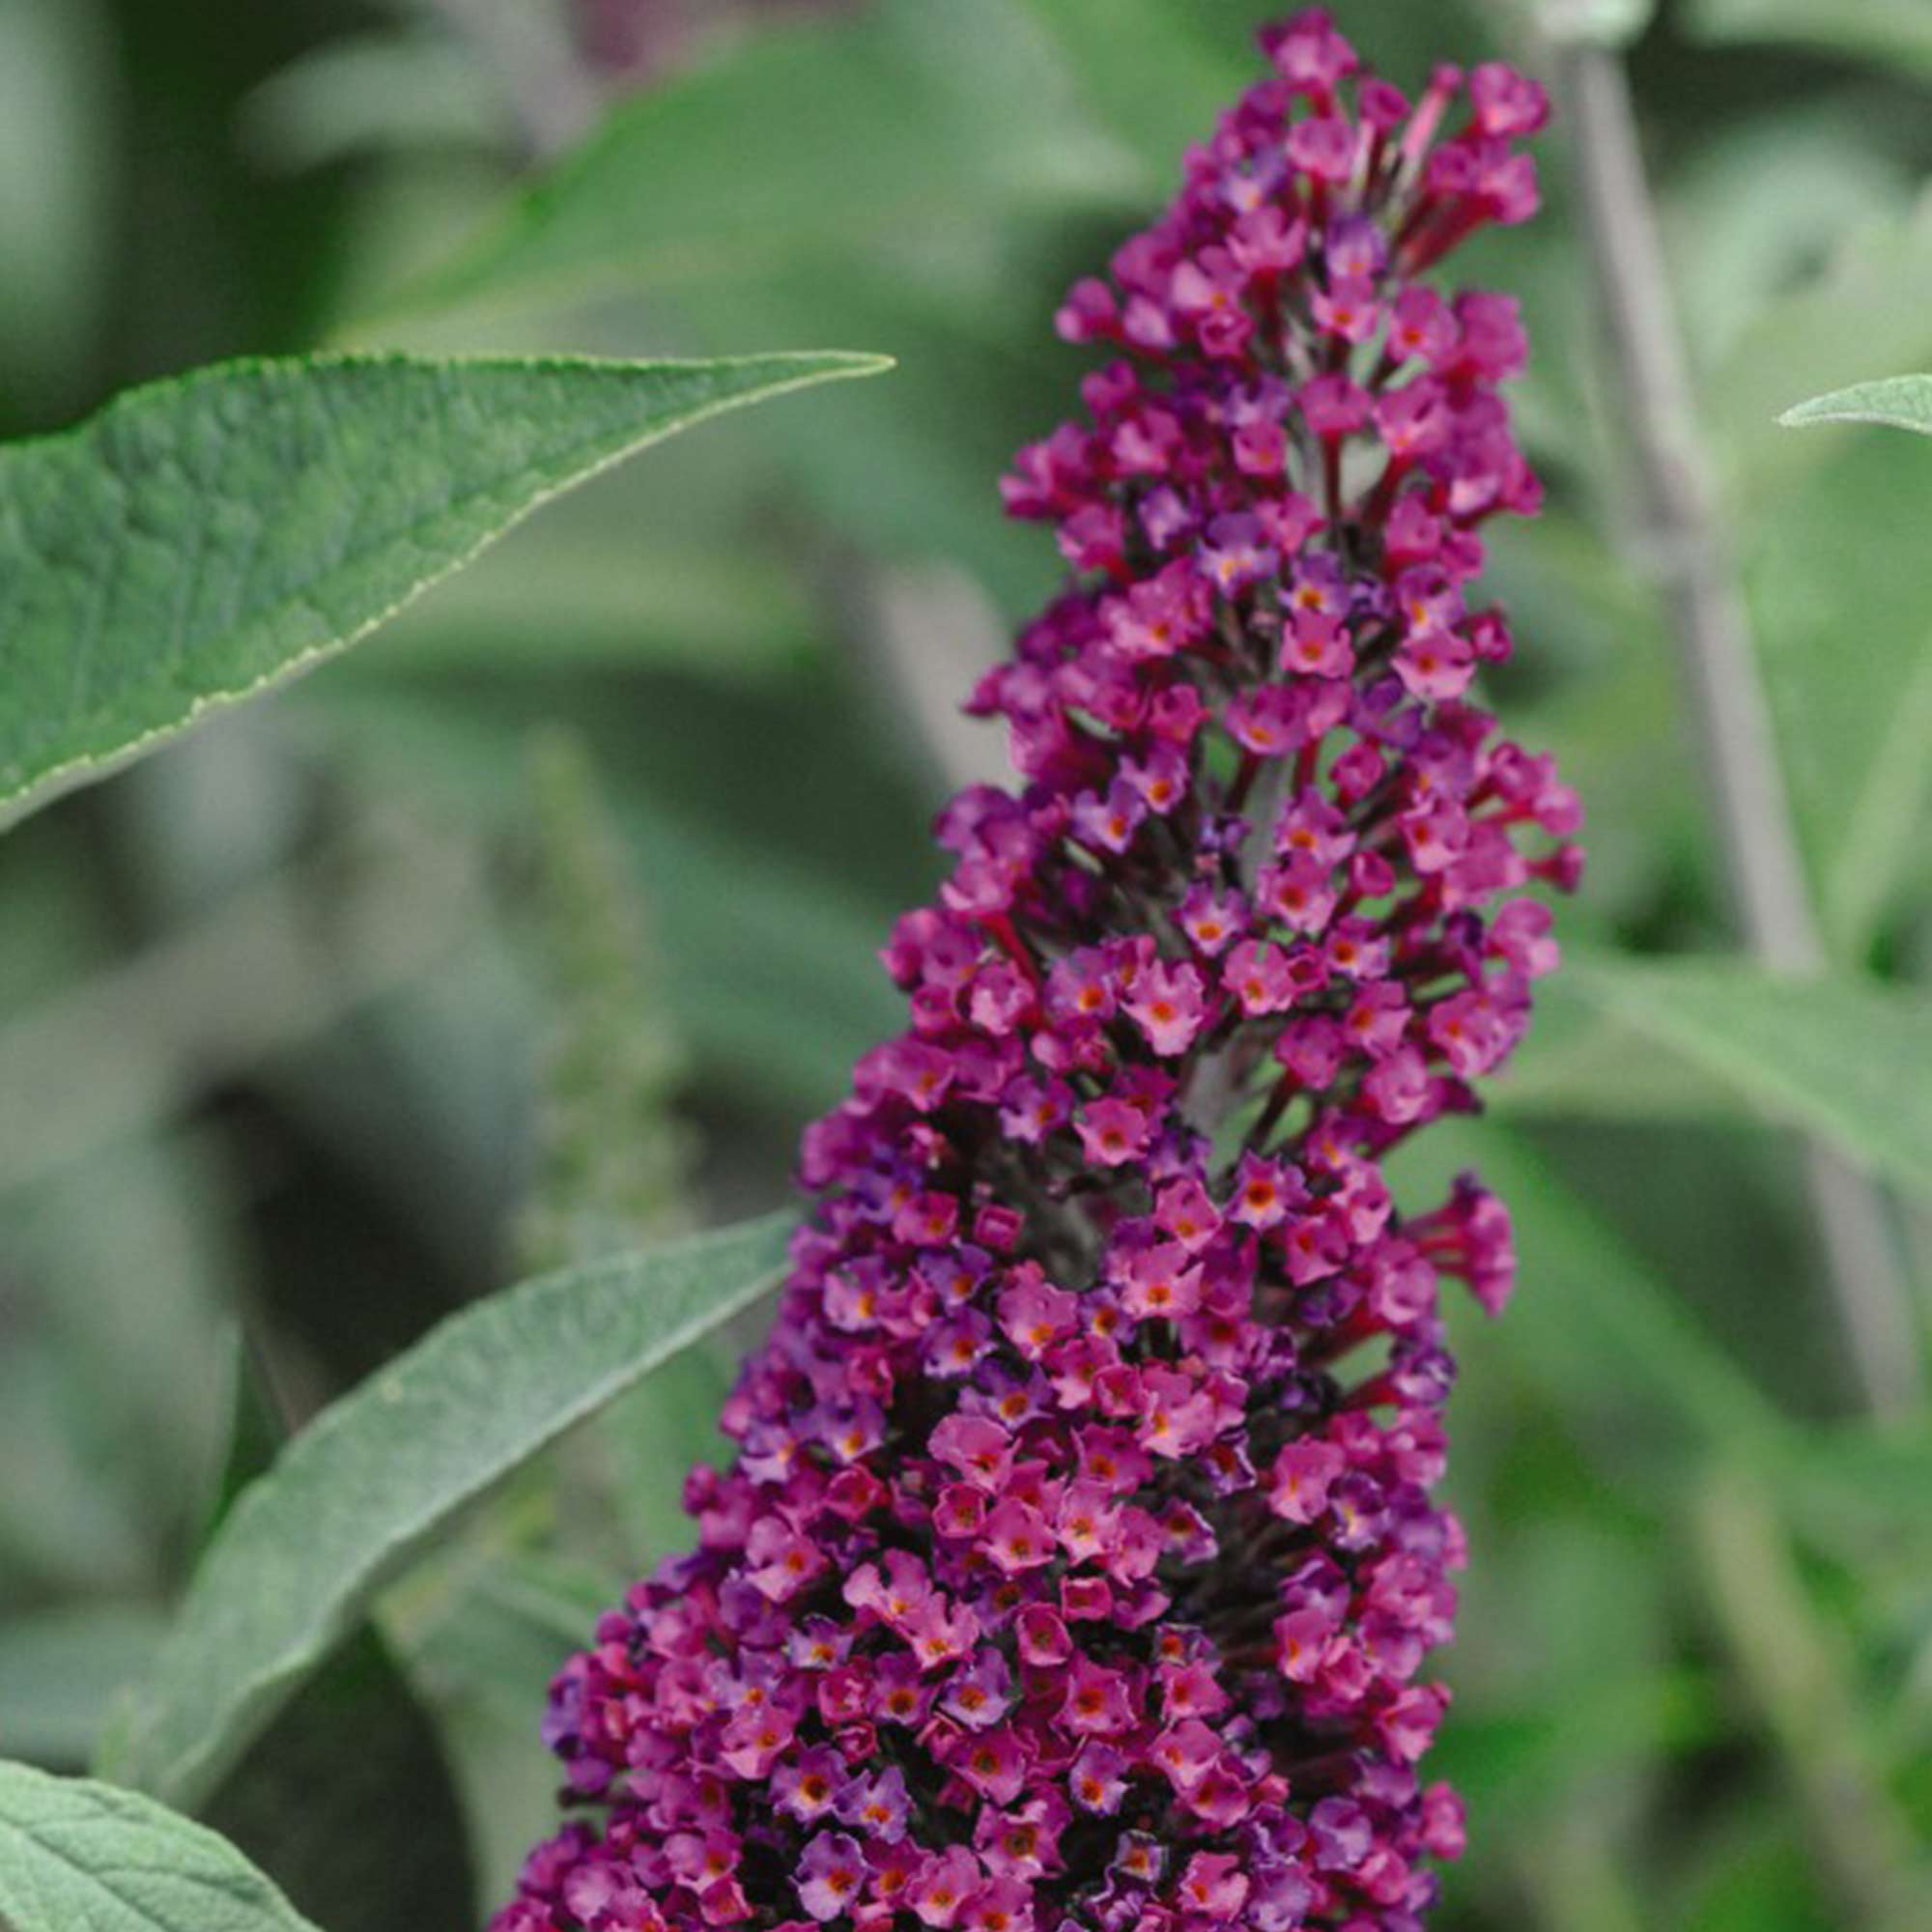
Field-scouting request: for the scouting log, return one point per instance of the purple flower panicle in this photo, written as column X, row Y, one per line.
column 1079, row 1565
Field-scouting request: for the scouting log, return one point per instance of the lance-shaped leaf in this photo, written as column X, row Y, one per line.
column 346, row 1799
column 1847, row 1059
column 81, row 1857
column 907, row 121
column 202, row 539
column 1896, row 32
column 1899, row 402
column 376, row 1474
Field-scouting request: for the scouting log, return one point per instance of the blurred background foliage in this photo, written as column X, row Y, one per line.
column 543, row 924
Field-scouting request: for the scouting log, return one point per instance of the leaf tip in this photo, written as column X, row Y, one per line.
column 1893, row 402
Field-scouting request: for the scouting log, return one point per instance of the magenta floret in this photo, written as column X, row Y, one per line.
column 1078, row 1564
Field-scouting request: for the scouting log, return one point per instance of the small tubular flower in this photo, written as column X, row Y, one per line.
column 1079, row 1565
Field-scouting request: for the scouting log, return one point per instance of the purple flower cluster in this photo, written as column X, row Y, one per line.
column 1078, row 1561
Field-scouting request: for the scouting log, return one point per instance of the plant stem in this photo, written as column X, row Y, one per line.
column 1693, row 563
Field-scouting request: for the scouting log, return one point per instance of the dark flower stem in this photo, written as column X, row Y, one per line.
column 1691, row 557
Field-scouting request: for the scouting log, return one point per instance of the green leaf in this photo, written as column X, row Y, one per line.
column 1593, row 1325
column 81, row 1857
column 200, row 540
column 1882, row 30
column 1153, row 70
column 898, row 124
column 1838, row 556
column 346, row 1800
column 386, row 1467
column 1582, row 1063
column 1904, row 401
column 1845, row 1059
column 1863, row 1483
column 1870, row 307
column 256, row 1432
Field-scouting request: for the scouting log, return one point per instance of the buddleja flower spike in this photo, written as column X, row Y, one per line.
column 1074, row 1570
